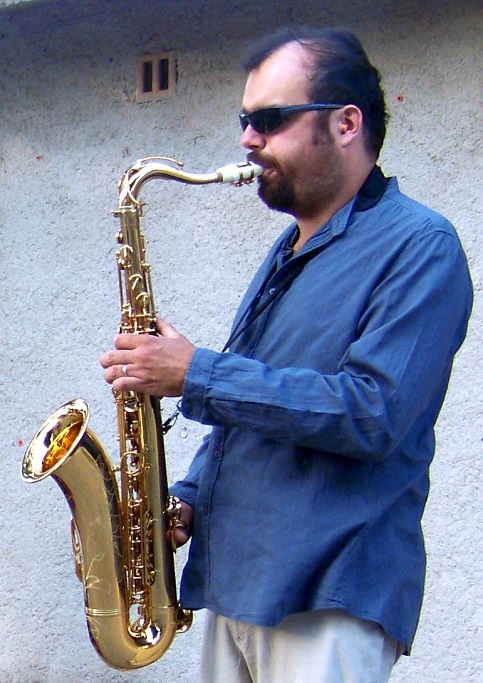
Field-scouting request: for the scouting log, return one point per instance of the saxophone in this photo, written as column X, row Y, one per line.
column 122, row 533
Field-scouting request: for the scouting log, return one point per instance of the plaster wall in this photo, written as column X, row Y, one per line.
column 69, row 126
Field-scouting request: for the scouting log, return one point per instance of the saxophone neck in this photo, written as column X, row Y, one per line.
column 167, row 168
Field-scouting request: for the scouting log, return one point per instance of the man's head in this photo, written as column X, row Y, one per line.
column 340, row 73
column 315, row 160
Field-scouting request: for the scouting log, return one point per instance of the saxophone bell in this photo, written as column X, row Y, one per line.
column 67, row 450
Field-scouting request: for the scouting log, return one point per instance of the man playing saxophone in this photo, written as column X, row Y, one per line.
column 304, row 503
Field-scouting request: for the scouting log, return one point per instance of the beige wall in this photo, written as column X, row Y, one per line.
column 69, row 126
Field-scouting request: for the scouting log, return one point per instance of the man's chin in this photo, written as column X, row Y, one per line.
column 274, row 199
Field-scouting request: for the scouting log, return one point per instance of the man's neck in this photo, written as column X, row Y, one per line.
column 310, row 224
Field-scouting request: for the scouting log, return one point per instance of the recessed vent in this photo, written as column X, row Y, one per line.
column 155, row 76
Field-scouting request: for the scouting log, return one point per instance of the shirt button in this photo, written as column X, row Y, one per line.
column 272, row 291
column 217, row 453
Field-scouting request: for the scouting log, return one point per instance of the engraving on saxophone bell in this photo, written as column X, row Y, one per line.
column 122, row 535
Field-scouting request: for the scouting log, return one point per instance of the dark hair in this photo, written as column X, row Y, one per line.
column 342, row 73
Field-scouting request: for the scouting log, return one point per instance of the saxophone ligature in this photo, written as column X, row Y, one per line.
column 123, row 517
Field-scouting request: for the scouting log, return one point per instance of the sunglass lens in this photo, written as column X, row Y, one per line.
column 266, row 120
column 262, row 120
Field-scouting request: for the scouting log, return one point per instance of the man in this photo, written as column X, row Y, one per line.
column 305, row 501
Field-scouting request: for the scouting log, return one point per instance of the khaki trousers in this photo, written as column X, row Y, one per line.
column 314, row 647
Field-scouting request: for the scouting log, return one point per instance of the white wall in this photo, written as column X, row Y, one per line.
column 69, row 126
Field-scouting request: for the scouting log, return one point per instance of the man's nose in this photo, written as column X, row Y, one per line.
column 250, row 139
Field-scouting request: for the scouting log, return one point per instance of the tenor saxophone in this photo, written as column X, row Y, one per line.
column 123, row 517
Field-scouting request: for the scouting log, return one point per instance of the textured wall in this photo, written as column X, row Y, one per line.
column 69, row 126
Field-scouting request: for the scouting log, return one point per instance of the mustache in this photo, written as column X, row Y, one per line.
column 261, row 160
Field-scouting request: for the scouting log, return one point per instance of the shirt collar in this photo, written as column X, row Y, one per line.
column 371, row 191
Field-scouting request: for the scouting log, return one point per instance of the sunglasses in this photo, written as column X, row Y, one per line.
column 268, row 119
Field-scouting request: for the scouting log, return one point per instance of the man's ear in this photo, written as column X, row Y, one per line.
column 347, row 124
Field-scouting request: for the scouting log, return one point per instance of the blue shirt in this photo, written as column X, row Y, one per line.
column 309, row 491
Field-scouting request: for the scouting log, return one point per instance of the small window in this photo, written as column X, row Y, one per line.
column 155, row 76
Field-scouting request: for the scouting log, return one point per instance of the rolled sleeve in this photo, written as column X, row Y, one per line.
column 196, row 384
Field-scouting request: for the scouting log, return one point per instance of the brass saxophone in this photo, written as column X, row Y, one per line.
column 121, row 533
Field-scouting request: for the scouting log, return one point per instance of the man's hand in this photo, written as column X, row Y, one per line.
column 148, row 364
column 183, row 531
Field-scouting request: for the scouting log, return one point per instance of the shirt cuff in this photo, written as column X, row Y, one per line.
column 185, row 491
column 196, row 384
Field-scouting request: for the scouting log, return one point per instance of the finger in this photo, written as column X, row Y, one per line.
column 166, row 330
column 181, row 536
column 127, row 341
column 114, row 373
column 126, row 384
column 110, row 375
column 108, row 359
column 181, row 533
column 114, row 357
column 124, row 378
column 104, row 360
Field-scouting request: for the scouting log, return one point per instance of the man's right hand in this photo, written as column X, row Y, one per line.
column 182, row 531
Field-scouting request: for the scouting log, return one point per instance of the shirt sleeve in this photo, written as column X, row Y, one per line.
column 187, row 489
column 395, row 370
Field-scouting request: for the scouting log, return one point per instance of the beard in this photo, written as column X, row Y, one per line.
column 303, row 188
column 277, row 193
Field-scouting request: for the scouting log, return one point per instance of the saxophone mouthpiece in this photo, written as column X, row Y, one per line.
column 239, row 174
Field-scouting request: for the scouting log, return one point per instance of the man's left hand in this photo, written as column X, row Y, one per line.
column 148, row 364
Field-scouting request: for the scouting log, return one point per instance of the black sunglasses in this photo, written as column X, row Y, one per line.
column 269, row 118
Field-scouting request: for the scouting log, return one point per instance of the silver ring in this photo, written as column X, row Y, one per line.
column 124, row 369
